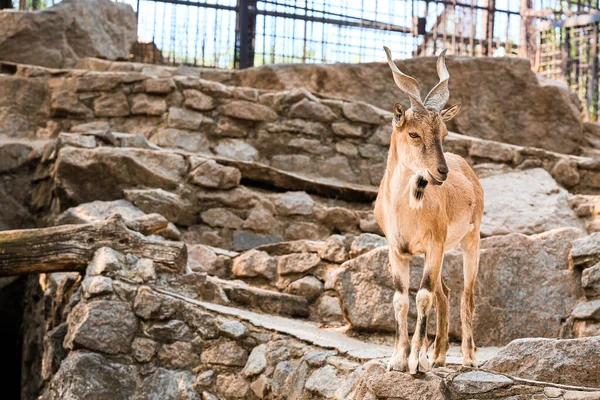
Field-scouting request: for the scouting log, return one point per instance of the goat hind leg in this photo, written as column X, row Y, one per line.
column 470, row 247
column 440, row 347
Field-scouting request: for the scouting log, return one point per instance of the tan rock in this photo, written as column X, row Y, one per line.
column 242, row 109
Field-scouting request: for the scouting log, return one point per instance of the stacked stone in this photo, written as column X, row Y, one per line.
column 585, row 258
column 126, row 331
column 291, row 130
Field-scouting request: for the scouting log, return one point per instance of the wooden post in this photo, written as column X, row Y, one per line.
column 527, row 47
column 72, row 247
column 488, row 26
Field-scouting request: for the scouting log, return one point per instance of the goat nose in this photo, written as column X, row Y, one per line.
column 443, row 169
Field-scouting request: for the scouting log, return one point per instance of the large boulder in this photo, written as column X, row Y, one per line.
column 567, row 361
column 528, row 202
column 84, row 175
column 502, row 99
column 59, row 36
column 84, row 375
column 524, row 287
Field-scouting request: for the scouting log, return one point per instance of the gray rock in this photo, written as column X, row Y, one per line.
column 295, row 203
column 526, row 202
column 329, row 309
column 70, row 139
column 298, row 126
column 197, row 100
column 143, row 104
column 148, row 168
column 590, row 280
column 225, row 352
column 567, row 361
column 96, row 285
column 106, row 326
column 97, row 211
column 261, row 219
column 232, row 386
column 362, row 112
column 404, row 386
column 317, row 358
column 143, row 349
column 229, row 127
column 587, row 310
column 84, row 375
column 243, row 240
column 167, row 331
column 255, row 263
column 334, row 249
column 366, row 242
column 260, row 386
column 586, row 251
column 337, row 167
column 345, row 129
column 236, row 149
column 204, row 259
column 159, row 85
column 308, row 286
column 210, row 174
column 222, row 218
column 257, row 361
column 68, row 32
column 164, row 384
column 325, row 381
column 150, row 305
column 312, row 110
column 194, row 142
column 297, row 263
column 178, row 355
column 232, row 328
column 281, row 376
column 476, row 382
column 111, row 105
column 181, row 118
column 170, row 205
column 204, row 379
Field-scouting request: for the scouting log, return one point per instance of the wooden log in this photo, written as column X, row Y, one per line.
column 71, row 247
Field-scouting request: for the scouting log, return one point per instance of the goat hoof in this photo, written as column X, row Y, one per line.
column 469, row 362
column 413, row 365
column 398, row 363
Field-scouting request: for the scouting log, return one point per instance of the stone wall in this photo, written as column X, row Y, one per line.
column 289, row 130
column 167, row 344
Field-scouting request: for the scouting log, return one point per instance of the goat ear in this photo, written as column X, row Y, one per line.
column 450, row 112
column 399, row 113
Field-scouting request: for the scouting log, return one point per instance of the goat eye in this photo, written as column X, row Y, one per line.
column 413, row 135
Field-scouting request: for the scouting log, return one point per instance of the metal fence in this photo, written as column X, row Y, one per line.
column 568, row 52
column 559, row 36
column 243, row 33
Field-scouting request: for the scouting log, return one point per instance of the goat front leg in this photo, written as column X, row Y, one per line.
column 470, row 248
column 399, row 268
column 417, row 361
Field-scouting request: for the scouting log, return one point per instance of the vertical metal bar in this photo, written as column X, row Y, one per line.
column 594, row 75
column 472, row 23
